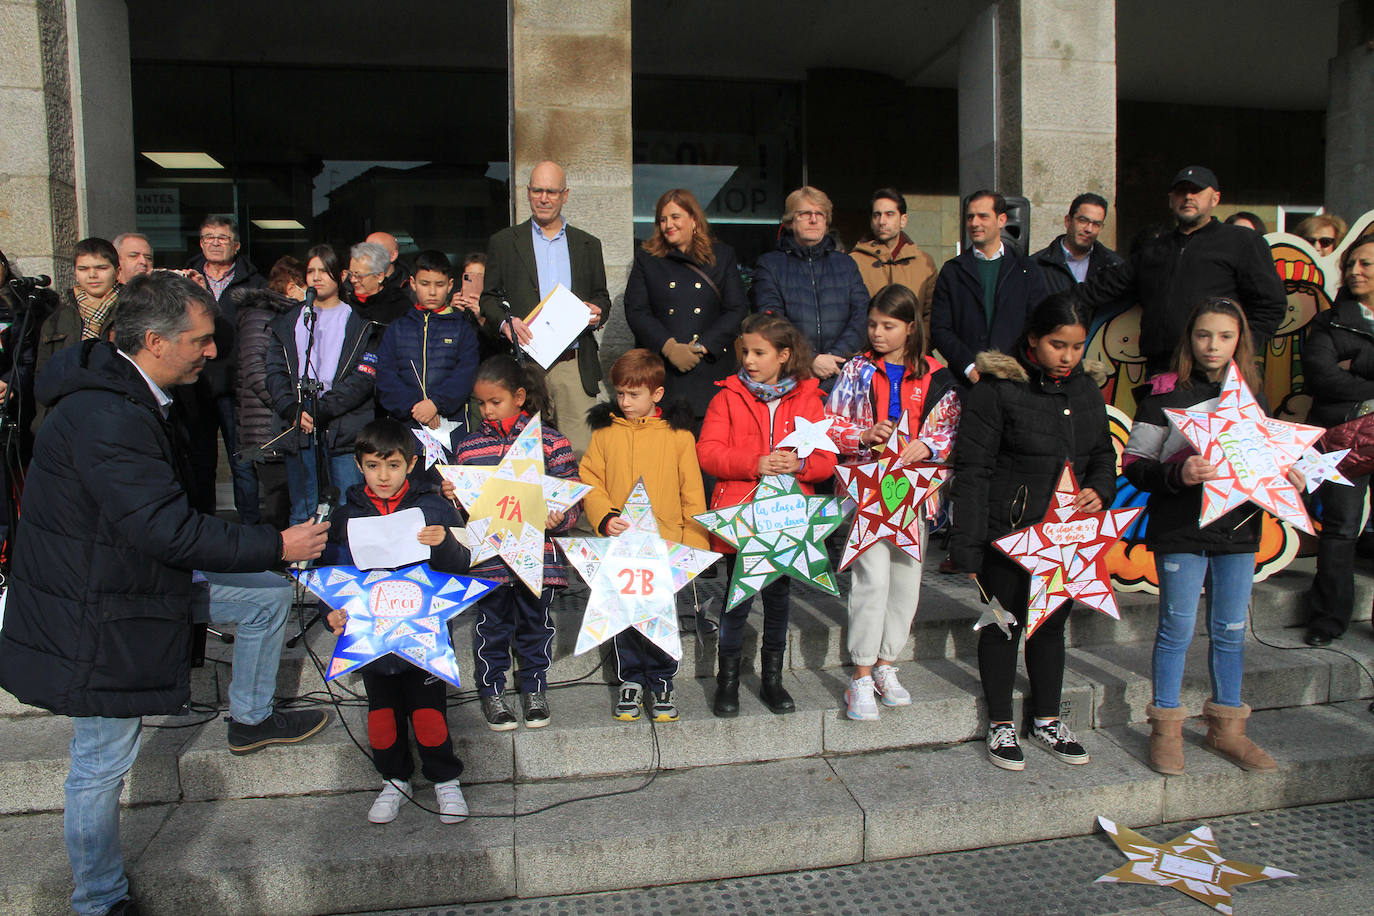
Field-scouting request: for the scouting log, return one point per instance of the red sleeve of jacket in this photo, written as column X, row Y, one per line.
column 720, row 454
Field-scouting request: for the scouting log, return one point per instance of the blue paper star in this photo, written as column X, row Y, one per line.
column 402, row 612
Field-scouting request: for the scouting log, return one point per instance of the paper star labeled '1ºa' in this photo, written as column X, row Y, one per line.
column 403, row 612
column 1066, row 554
column 780, row 532
column 634, row 577
column 888, row 497
column 1191, row 863
column 809, row 436
column 1252, row 453
column 508, row 504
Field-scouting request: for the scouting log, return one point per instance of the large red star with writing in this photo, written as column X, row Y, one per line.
column 1252, row 453
column 889, row 498
column 1066, row 554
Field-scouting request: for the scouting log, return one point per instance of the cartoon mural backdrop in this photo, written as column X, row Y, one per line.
column 1312, row 281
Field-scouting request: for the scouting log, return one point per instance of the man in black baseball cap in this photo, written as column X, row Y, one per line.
column 1202, row 257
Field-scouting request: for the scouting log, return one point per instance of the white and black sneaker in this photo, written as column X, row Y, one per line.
column 500, row 717
column 629, row 703
column 1059, row 741
column 1003, row 749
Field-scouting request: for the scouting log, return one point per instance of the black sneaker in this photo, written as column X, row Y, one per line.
column 1059, row 741
column 278, row 728
column 536, row 709
column 1003, row 749
column 125, row 907
column 500, row 717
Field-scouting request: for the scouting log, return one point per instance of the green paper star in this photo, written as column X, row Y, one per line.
column 781, row 532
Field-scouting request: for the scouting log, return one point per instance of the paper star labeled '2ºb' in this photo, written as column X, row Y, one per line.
column 403, row 612
column 1066, row 554
column 1252, row 453
column 780, row 532
column 508, row 504
column 1191, row 863
column 888, row 497
column 634, row 577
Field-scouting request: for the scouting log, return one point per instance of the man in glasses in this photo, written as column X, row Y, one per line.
column 524, row 264
column 1077, row 254
column 1201, row 258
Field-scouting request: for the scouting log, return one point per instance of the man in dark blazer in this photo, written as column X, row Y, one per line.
column 524, row 263
column 983, row 297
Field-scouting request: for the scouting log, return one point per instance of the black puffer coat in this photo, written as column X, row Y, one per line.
column 98, row 618
column 666, row 298
column 257, row 421
column 1018, row 428
column 347, row 406
column 1337, row 335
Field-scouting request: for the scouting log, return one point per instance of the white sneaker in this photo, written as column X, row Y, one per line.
column 889, row 688
column 858, row 699
column 452, row 806
column 388, row 803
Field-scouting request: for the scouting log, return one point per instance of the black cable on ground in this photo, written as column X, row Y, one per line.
column 1255, row 633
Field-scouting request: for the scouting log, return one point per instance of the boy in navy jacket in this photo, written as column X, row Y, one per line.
column 396, row 689
column 428, row 357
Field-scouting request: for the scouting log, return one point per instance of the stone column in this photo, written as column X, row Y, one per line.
column 38, row 211
column 103, row 116
column 1350, row 114
column 570, row 102
column 1037, row 106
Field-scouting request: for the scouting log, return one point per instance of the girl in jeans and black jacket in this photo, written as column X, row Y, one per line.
column 1029, row 414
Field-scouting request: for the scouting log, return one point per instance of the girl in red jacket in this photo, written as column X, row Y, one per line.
column 755, row 410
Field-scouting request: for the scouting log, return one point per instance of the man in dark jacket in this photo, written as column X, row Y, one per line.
column 982, row 297
column 1203, row 257
column 810, row 281
column 522, row 273
column 229, row 276
column 1077, row 254
column 100, row 606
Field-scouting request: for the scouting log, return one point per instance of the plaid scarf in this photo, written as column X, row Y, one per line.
column 94, row 312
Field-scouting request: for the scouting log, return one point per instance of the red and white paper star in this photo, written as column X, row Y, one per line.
column 1066, row 554
column 889, row 498
column 1252, row 454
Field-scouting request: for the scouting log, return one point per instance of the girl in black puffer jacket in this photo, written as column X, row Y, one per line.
column 1026, row 417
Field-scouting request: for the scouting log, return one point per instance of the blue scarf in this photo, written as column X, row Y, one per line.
column 766, row 392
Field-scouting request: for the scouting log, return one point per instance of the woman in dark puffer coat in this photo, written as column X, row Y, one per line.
column 1027, row 416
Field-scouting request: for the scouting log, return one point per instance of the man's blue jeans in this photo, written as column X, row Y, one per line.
column 1229, row 579
column 103, row 749
column 304, row 489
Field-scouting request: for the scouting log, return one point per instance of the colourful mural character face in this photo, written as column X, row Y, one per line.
column 1305, row 284
column 1117, row 342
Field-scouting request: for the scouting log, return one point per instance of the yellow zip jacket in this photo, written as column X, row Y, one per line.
column 660, row 449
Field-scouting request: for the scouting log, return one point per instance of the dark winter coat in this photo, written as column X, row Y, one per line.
column 347, row 406
column 1019, row 428
column 389, row 303
column 448, row 557
column 257, row 421
column 666, row 298
column 440, row 350
column 1054, row 268
column 959, row 325
column 1172, row 272
column 512, row 275
column 1153, row 462
column 1334, row 336
column 219, row 373
column 98, row 618
column 817, row 288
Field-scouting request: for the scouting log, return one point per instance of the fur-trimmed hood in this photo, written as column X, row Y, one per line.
column 677, row 414
column 996, row 364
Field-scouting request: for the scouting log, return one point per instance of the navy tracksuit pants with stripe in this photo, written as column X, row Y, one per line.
column 510, row 617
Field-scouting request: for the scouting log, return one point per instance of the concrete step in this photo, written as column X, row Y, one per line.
column 1104, row 687
column 314, row 854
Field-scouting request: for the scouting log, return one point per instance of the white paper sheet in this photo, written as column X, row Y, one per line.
column 387, row 541
column 556, row 323
column 4, row 596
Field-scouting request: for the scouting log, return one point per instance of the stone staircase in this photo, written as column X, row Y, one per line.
column 284, row 830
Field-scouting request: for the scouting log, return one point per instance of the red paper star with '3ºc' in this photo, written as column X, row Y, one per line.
column 889, row 498
column 1066, row 554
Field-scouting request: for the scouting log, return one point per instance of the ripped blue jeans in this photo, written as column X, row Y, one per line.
column 1229, row 579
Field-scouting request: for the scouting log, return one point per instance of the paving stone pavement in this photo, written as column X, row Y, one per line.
column 1328, row 847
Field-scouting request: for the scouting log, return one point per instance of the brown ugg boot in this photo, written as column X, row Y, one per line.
column 1226, row 736
column 1166, row 739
